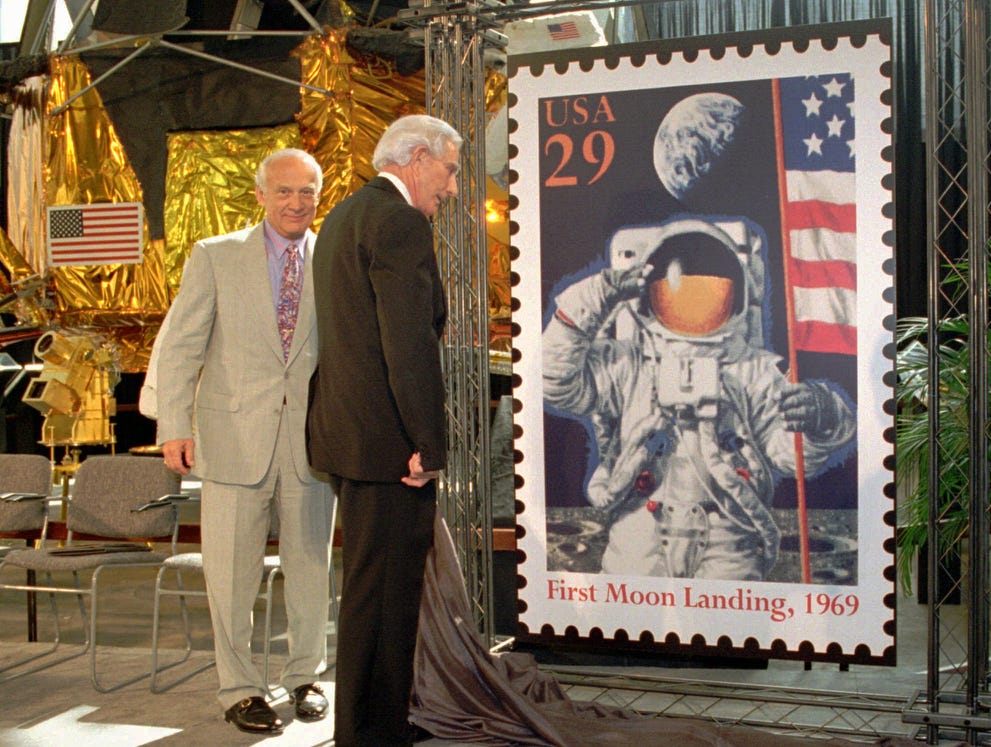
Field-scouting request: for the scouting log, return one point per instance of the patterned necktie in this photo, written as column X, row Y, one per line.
column 288, row 307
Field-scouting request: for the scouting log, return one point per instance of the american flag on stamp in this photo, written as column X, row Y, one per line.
column 816, row 170
column 101, row 234
column 563, row 30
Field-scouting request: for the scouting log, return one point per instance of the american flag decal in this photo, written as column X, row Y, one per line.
column 563, row 30
column 101, row 234
column 817, row 174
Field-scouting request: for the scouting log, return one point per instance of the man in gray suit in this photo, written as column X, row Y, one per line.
column 232, row 378
column 377, row 421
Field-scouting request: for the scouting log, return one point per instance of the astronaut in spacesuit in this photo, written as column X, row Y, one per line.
column 694, row 420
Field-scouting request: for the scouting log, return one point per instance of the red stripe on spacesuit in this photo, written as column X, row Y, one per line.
column 564, row 318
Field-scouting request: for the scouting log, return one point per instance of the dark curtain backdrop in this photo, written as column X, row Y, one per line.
column 164, row 91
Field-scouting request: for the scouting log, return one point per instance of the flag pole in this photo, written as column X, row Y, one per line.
column 801, row 508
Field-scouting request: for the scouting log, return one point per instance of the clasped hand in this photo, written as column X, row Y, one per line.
column 418, row 477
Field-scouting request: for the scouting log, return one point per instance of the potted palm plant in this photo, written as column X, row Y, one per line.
column 951, row 336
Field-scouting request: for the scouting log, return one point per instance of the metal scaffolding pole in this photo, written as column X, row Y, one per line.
column 976, row 96
column 957, row 700
column 455, row 87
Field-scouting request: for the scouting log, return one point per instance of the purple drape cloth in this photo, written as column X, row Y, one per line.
column 463, row 692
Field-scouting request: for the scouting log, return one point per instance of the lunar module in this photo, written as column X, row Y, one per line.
column 74, row 390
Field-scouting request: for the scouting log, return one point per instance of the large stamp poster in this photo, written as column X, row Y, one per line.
column 704, row 258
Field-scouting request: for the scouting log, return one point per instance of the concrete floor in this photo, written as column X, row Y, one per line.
column 59, row 705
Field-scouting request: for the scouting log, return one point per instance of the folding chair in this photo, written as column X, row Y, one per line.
column 192, row 562
column 25, row 484
column 103, row 505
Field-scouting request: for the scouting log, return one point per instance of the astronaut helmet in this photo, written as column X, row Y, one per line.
column 696, row 284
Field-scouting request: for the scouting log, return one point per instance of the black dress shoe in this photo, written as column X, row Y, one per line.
column 254, row 715
column 311, row 705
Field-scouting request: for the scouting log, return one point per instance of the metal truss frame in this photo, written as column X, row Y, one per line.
column 956, row 703
column 144, row 42
column 454, row 41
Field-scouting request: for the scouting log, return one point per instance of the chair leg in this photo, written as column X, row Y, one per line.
column 32, row 608
column 156, row 622
column 154, row 628
column 184, row 612
column 34, row 588
column 87, row 628
column 99, row 686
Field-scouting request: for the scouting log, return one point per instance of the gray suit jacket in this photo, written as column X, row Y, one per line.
column 221, row 377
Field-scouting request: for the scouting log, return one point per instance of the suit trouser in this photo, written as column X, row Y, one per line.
column 234, row 525
column 387, row 533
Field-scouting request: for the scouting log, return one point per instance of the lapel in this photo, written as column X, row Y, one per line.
column 256, row 289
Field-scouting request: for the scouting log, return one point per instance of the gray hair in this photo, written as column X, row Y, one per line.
column 408, row 133
column 261, row 176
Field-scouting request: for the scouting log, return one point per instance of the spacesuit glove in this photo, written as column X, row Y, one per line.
column 622, row 285
column 810, row 408
column 586, row 304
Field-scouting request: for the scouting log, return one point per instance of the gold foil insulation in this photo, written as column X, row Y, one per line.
column 209, row 183
column 210, row 186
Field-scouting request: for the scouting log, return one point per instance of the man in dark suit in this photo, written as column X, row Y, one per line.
column 376, row 419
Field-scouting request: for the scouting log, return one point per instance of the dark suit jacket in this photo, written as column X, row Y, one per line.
column 377, row 395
